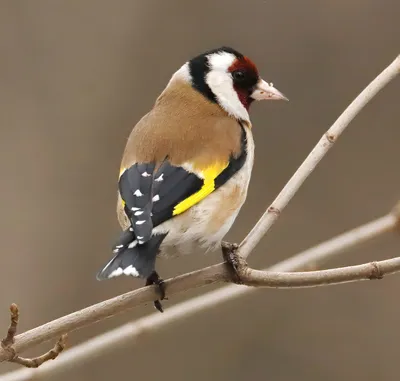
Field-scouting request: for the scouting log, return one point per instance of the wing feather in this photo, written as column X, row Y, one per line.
column 135, row 187
column 152, row 197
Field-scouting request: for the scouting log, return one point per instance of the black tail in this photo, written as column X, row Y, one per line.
column 133, row 259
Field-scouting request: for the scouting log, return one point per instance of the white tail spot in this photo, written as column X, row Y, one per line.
column 130, row 270
column 116, row 272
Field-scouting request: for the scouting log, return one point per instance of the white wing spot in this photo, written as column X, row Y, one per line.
column 139, row 237
column 134, row 208
column 156, row 198
column 138, row 193
column 145, row 174
column 141, row 242
column 139, row 213
column 132, row 244
column 140, row 222
column 160, row 178
column 119, row 246
column 131, row 229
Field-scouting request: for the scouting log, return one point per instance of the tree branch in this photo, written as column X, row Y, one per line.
column 320, row 150
column 208, row 275
column 220, row 273
column 127, row 334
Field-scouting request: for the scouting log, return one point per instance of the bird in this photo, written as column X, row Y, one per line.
column 187, row 163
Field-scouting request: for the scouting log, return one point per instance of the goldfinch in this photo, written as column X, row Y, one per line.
column 187, row 164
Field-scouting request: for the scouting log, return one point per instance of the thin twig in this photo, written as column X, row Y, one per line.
column 320, row 150
column 12, row 329
column 128, row 333
column 8, row 341
column 35, row 362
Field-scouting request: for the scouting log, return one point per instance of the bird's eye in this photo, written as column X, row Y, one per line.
column 238, row 75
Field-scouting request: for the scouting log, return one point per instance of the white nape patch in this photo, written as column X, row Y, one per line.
column 140, row 222
column 130, row 270
column 139, row 237
column 116, row 272
column 139, row 213
column 145, row 174
column 138, row 193
column 182, row 74
column 132, row 244
column 160, row 178
column 156, row 198
column 221, row 84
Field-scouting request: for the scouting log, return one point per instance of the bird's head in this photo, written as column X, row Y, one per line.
column 229, row 78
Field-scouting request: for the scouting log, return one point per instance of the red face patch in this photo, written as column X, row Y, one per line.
column 245, row 64
column 245, row 77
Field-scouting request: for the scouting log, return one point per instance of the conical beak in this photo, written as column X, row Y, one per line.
column 266, row 91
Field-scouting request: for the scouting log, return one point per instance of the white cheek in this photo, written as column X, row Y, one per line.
column 221, row 85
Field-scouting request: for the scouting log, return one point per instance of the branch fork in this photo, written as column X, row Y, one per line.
column 236, row 265
column 35, row 362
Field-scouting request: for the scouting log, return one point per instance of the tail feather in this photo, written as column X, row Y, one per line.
column 131, row 258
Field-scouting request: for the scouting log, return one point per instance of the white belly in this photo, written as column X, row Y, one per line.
column 206, row 223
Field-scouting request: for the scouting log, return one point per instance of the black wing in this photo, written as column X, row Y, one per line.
column 150, row 196
column 135, row 188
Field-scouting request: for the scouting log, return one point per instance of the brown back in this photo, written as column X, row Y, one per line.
column 186, row 127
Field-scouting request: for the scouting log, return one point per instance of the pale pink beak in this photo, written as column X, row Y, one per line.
column 266, row 91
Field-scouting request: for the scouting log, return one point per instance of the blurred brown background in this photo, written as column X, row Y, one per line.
column 76, row 75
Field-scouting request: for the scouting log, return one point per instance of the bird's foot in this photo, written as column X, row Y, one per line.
column 155, row 279
column 236, row 263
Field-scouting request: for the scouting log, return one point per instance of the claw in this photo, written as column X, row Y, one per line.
column 155, row 279
column 229, row 253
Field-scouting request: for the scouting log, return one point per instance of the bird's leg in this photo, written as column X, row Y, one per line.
column 154, row 278
column 235, row 262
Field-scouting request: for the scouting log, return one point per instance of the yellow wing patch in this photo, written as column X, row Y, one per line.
column 209, row 175
column 121, row 171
